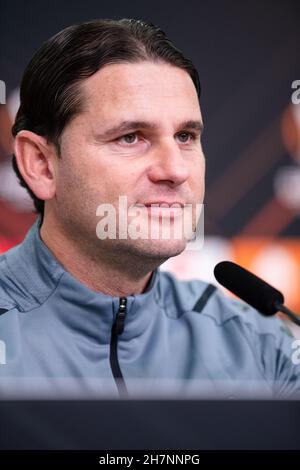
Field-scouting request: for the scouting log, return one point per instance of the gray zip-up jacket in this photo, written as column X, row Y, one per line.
column 54, row 329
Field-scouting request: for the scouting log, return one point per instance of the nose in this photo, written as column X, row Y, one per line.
column 169, row 165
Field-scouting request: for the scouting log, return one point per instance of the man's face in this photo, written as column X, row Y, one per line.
column 157, row 159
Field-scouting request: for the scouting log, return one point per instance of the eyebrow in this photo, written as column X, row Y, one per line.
column 125, row 126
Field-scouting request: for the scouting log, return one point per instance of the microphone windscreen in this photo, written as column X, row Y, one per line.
column 250, row 288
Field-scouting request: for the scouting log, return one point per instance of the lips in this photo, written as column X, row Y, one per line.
column 162, row 204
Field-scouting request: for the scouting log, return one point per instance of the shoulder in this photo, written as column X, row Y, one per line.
column 178, row 296
column 8, row 283
column 8, row 306
column 208, row 300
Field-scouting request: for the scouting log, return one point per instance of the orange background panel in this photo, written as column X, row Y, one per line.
column 275, row 260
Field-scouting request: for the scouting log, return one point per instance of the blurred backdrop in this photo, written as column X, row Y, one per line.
column 248, row 57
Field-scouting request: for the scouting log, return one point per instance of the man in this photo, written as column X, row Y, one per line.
column 109, row 109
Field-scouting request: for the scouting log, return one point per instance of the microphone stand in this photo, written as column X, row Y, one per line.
column 282, row 308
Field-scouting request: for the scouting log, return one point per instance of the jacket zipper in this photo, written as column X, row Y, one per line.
column 117, row 329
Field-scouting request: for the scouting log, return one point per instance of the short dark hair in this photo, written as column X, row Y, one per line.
column 50, row 88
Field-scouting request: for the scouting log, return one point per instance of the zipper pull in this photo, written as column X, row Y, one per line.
column 120, row 318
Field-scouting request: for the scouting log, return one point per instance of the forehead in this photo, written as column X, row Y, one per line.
column 145, row 86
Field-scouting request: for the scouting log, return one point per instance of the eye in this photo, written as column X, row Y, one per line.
column 187, row 136
column 128, row 138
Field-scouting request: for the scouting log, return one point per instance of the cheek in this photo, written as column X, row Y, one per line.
column 198, row 178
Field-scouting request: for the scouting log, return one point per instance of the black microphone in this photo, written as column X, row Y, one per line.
column 252, row 289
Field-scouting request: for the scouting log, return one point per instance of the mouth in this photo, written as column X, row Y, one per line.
column 162, row 204
column 162, row 209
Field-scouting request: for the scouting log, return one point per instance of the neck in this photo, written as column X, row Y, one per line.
column 98, row 273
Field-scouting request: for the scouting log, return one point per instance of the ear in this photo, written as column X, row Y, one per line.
column 35, row 159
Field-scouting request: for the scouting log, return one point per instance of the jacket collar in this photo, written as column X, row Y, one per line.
column 38, row 278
